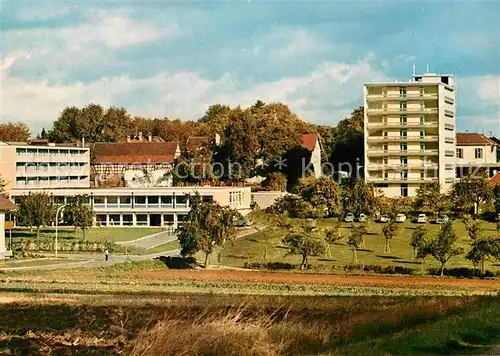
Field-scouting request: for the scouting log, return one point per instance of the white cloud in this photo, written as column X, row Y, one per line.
column 325, row 95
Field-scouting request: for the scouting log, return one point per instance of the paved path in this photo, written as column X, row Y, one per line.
column 151, row 241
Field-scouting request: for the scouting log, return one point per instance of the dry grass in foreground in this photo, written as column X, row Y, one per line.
column 191, row 324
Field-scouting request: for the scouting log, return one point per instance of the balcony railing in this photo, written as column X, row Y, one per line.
column 50, row 172
column 401, row 180
column 402, row 124
column 380, row 152
column 401, row 166
column 402, row 138
column 401, row 96
column 402, row 111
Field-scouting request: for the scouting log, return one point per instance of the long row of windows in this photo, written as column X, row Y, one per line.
column 164, row 220
column 49, row 181
column 49, row 152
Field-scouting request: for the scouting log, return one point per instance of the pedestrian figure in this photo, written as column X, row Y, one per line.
column 107, row 254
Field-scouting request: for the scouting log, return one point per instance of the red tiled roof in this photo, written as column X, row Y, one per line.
column 6, row 204
column 133, row 152
column 308, row 141
column 495, row 179
column 196, row 142
column 473, row 139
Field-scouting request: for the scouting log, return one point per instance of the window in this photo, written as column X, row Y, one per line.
column 422, row 133
column 404, row 175
column 422, row 120
column 140, row 200
column 403, row 161
column 98, row 200
column 386, row 160
column 403, row 133
column 166, row 200
column 384, row 119
column 402, row 106
column 402, row 92
column 112, row 202
column 385, row 134
column 128, row 219
column 403, row 120
column 404, row 190
column 153, row 200
column 386, row 147
column 478, row 152
column 460, row 153
column 421, row 91
column 125, row 201
column 403, row 146
column 422, row 174
column 422, row 147
column 386, row 175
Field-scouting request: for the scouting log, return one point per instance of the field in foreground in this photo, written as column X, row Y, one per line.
column 194, row 324
column 146, row 309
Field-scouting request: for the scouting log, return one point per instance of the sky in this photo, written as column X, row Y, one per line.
column 175, row 58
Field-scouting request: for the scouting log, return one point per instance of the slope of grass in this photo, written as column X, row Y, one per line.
column 169, row 246
column 266, row 246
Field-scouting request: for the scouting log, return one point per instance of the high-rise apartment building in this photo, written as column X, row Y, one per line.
column 410, row 133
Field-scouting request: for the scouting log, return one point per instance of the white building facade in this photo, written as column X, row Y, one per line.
column 41, row 164
column 410, row 133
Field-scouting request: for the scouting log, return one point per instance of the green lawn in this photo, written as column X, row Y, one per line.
column 97, row 234
column 172, row 245
column 266, row 247
column 37, row 262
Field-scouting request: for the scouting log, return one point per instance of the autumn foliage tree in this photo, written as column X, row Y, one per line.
column 14, row 131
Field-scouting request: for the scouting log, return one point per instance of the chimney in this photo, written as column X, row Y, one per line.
column 150, row 137
column 217, row 139
column 83, row 141
column 128, row 138
column 140, row 135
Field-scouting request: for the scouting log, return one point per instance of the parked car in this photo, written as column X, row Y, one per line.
column 349, row 217
column 243, row 222
column 383, row 219
column 361, row 217
column 401, row 218
column 442, row 219
column 422, row 218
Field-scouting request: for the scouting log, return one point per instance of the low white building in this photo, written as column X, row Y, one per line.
column 147, row 207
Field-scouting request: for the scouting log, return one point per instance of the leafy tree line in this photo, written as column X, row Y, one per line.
column 14, row 131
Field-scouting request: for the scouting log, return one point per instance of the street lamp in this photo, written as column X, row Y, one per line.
column 57, row 221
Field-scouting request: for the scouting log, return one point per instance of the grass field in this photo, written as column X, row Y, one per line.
column 266, row 246
column 96, row 234
column 37, row 262
column 172, row 245
column 146, row 309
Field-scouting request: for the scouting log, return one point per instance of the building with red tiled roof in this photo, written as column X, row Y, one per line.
column 312, row 143
column 111, row 161
column 476, row 152
column 495, row 180
column 194, row 143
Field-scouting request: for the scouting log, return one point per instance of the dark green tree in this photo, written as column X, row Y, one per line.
column 207, row 227
column 417, row 241
column 79, row 213
column 443, row 246
column 470, row 192
column 36, row 210
column 322, row 193
column 305, row 240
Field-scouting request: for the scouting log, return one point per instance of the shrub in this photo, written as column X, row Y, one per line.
column 462, row 272
column 270, row 265
column 380, row 269
column 178, row 262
